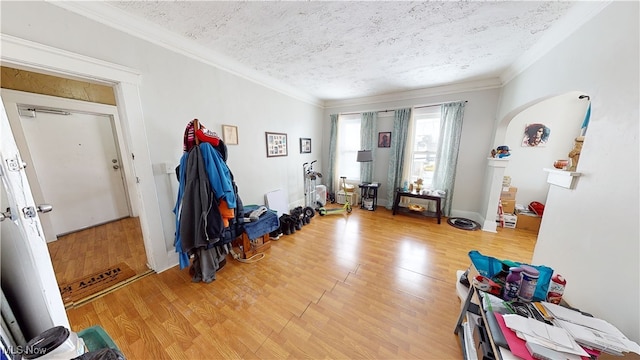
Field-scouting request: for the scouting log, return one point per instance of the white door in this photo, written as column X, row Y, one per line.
column 75, row 162
column 77, row 165
column 27, row 272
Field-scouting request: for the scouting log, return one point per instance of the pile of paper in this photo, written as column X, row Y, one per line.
column 591, row 332
column 543, row 340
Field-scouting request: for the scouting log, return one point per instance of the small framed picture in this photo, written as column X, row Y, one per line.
column 384, row 139
column 305, row 145
column 230, row 134
column 536, row 135
column 276, row 144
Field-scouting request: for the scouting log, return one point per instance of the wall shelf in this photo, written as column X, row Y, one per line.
column 498, row 162
column 562, row 178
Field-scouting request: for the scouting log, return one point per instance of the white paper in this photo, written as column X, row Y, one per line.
column 599, row 340
column 535, row 328
column 563, row 313
column 575, row 349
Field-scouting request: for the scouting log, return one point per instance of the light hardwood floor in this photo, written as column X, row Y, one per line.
column 91, row 250
column 368, row 285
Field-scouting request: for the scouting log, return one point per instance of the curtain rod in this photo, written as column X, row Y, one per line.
column 415, row 107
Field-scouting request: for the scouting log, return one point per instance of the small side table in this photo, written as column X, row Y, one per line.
column 400, row 193
column 369, row 192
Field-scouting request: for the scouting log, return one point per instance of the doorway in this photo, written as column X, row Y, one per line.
column 76, row 164
column 24, row 54
column 74, row 158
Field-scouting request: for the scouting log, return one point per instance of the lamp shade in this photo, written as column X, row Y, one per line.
column 364, row 156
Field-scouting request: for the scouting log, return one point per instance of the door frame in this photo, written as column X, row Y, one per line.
column 27, row 55
column 11, row 97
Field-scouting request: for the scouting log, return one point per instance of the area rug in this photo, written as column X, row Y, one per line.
column 93, row 284
column 463, row 224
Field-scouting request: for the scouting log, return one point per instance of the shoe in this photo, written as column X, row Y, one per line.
column 292, row 225
column 275, row 234
column 285, row 228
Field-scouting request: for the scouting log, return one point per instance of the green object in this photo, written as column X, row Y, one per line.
column 95, row 338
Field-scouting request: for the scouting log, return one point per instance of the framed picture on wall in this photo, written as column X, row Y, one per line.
column 230, row 134
column 536, row 135
column 305, row 145
column 276, row 144
column 384, row 139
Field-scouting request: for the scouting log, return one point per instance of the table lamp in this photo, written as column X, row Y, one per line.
column 364, row 156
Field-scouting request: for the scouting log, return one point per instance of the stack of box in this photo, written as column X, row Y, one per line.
column 508, row 202
column 511, row 217
column 528, row 220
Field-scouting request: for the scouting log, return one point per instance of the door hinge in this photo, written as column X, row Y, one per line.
column 133, row 156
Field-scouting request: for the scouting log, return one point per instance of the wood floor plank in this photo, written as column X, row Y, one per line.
column 91, row 250
column 369, row 285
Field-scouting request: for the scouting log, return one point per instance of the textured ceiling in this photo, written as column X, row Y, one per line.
column 348, row 49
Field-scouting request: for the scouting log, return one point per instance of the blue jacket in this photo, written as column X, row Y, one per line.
column 204, row 180
column 219, row 174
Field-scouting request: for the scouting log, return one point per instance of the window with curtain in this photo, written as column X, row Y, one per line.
column 347, row 147
column 423, row 139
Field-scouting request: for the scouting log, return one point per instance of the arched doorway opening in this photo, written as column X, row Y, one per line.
column 563, row 114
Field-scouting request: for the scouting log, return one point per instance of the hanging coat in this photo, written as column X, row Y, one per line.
column 199, row 221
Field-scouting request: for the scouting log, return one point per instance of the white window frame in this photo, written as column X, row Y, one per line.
column 423, row 141
column 347, row 148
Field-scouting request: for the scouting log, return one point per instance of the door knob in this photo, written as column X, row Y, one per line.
column 45, row 208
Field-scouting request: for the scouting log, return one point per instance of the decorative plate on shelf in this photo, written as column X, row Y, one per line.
column 416, row 207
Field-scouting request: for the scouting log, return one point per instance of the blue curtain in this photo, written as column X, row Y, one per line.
column 398, row 144
column 447, row 152
column 333, row 145
column 367, row 142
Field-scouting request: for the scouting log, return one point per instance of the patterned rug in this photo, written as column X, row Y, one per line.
column 463, row 224
column 95, row 283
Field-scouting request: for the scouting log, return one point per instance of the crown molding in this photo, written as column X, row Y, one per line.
column 145, row 30
column 455, row 88
column 578, row 15
column 28, row 55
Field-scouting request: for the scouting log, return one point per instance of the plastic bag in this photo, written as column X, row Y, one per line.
column 489, row 266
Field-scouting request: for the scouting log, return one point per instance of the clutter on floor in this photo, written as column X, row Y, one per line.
column 516, row 216
column 517, row 310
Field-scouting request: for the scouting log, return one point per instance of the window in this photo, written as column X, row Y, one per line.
column 347, row 147
column 424, row 136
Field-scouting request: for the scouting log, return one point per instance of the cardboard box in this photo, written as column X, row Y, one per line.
column 508, row 193
column 510, row 221
column 528, row 222
column 508, row 206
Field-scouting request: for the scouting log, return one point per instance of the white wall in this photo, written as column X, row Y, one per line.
column 176, row 89
column 564, row 115
column 591, row 234
column 477, row 134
